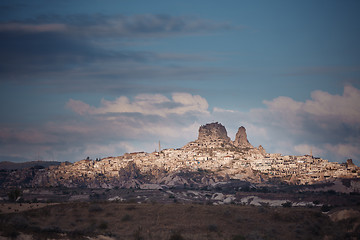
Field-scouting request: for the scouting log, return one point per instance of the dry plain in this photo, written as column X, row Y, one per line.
column 112, row 220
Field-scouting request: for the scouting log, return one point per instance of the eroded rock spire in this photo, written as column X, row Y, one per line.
column 241, row 139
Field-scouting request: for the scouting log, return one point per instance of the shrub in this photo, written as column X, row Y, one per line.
column 14, row 194
column 238, row 237
column 137, row 234
column 126, row 218
column 176, row 236
column 103, row 225
column 213, row 228
column 325, row 208
column 287, row 204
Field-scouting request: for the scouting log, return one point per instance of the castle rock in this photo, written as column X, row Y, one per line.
column 241, row 140
column 213, row 132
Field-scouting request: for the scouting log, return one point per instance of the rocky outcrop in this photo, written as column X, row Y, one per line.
column 174, row 180
column 131, row 171
column 212, row 132
column 350, row 165
column 241, row 140
column 261, row 150
column 211, row 136
column 214, row 135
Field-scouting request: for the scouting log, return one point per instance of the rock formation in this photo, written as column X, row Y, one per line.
column 212, row 132
column 349, row 164
column 261, row 150
column 241, row 139
column 214, row 135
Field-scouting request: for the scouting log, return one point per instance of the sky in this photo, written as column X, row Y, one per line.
column 102, row 78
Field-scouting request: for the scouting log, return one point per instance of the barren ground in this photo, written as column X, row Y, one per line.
column 104, row 220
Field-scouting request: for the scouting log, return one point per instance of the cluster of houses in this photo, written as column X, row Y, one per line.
column 233, row 162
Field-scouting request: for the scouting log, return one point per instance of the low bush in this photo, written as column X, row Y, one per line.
column 138, row 234
column 103, row 225
column 176, row 236
column 325, row 208
column 287, row 204
column 126, row 218
column 238, row 237
column 213, row 228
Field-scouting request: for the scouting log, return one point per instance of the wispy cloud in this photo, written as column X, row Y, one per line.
column 323, row 70
column 146, row 104
column 34, row 28
column 135, row 26
column 66, row 51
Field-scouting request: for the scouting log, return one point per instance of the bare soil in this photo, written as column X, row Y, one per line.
column 104, row 220
column 20, row 207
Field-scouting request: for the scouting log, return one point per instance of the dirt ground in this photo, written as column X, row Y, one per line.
column 103, row 220
column 20, row 207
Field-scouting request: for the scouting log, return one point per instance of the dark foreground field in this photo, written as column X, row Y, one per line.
column 178, row 221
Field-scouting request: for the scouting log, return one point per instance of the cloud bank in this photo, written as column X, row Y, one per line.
column 83, row 48
column 330, row 124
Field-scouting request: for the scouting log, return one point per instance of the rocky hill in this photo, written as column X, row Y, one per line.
column 212, row 158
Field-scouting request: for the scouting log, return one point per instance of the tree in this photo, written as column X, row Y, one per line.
column 14, row 194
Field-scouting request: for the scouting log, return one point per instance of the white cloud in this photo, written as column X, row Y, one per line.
column 345, row 108
column 323, row 109
column 127, row 125
column 328, row 124
column 146, row 104
column 221, row 110
column 78, row 106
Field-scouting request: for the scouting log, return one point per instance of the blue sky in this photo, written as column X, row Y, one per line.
column 101, row 78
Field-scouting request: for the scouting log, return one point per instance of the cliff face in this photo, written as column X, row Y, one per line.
column 241, row 140
column 211, row 132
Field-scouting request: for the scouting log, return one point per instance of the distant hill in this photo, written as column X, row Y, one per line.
column 213, row 158
column 16, row 166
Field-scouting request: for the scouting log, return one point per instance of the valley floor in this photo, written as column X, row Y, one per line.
column 176, row 221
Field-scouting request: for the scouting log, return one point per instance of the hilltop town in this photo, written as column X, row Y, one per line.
column 212, row 170
column 213, row 157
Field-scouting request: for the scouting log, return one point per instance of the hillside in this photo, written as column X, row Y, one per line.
column 212, row 158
